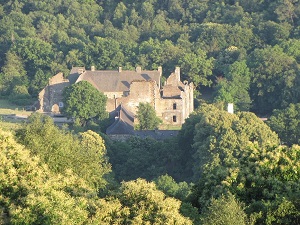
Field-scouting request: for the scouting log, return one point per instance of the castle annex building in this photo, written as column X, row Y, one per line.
column 172, row 101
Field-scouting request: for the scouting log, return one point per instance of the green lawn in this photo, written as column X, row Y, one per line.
column 7, row 108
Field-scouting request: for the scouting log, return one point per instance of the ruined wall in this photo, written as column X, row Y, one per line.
column 174, row 78
column 170, row 110
column 191, row 97
column 110, row 105
column 140, row 91
column 113, row 95
column 112, row 100
column 51, row 97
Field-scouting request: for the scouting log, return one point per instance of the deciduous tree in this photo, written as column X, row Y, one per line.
column 84, row 155
column 84, row 102
column 147, row 119
column 286, row 123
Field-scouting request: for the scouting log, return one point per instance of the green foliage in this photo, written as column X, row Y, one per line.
column 147, row 119
column 219, row 134
column 167, row 184
column 234, row 87
column 38, row 82
column 145, row 204
column 197, row 67
column 53, row 37
column 284, row 211
column 286, row 123
column 146, row 158
column 84, row 155
column 31, row 194
column 227, row 152
column 225, row 210
column 13, row 73
column 240, row 154
column 84, row 102
column 274, row 78
column 20, row 96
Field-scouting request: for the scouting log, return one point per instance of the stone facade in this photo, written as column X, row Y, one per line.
column 50, row 97
column 173, row 102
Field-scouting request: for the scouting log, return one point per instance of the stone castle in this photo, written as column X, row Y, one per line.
column 173, row 101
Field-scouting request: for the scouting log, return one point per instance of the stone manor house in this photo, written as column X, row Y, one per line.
column 173, row 101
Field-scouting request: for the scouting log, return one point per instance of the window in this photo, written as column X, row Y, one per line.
column 61, row 104
column 174, row 119
column 174, row 106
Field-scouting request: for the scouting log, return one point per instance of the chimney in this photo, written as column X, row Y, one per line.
column 138, row 69
column 230, row 108
column 120, row 69
column 80, row 70
column 160, row 70
column 92, row 68
column 177, row 73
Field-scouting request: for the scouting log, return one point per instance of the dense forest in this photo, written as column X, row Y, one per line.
column 221, row 169
column 247, row 52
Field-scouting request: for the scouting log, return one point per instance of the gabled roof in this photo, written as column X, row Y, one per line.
column 75, row 73
column 115, row 81
column 123, row 124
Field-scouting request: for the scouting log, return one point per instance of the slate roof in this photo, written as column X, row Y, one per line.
column 156, row 134
column 115, row 81
column 73, row 76
column 123, row 123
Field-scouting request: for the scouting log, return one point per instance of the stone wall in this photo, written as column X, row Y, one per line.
column 173, row 106
column 140, row 91
column 170, row 110
column 51, row 98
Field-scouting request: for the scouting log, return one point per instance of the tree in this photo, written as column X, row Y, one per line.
column 169, row 186
column 85, row 154
column 273, row 33
column 84, row 102
column 219, row 140
column 274, row 79
column 225, row 210
column 240, row 154
column 234, row 87
column 147, row 117
column 38, row 82
column 147, row 205
column 286, row 123
column 31, row 194
column 13, row 73
column 20, row 96
column 197, row 67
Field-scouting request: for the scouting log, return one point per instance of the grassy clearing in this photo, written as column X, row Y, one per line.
column 7, row 107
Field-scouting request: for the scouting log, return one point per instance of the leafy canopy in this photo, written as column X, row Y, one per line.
column 85, row 154
column 84, row 102
column 147, row 117
column 286, row 123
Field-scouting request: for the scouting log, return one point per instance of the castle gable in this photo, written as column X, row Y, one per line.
column 170, row 91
